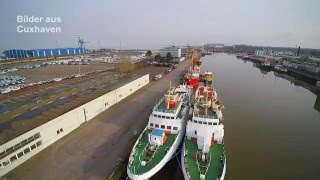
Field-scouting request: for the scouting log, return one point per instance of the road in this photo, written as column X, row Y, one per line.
column 93, row 150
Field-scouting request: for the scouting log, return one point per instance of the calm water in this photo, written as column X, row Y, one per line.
column 272, row 127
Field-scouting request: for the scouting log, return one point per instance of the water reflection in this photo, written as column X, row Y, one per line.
column 272, row 122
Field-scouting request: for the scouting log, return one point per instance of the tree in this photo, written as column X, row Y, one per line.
column 149, row 53
column 169, row 57
column 158, row 57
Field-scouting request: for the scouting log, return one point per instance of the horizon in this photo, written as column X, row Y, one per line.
column 151, row 25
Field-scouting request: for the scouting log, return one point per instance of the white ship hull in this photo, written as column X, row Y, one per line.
column 185, row 175
column 166, row 158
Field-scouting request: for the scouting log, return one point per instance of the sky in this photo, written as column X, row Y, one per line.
column 155, row 24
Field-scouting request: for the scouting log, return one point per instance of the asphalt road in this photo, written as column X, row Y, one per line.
column 94, row 149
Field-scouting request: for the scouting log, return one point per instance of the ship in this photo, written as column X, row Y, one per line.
column 203, row 155
column 163, row 134
column 192, row 77
column 266, row 65
column 281, row 68
column 245, row 56
column 209, row 53
column 239, row 56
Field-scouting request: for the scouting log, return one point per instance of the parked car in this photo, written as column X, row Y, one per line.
column 158, row 76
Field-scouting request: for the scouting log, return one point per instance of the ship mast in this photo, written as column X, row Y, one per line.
column 168, row 97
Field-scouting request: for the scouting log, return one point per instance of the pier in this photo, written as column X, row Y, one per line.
column 96, row 147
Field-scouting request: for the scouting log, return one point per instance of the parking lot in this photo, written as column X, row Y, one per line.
column 29, row 108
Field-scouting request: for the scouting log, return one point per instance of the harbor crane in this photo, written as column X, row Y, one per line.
column 81, row 42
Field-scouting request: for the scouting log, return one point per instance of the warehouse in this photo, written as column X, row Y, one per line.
column 39, row 53
column 174, row 51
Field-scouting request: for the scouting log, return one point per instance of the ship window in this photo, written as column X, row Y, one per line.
column 175, row 128
column 214, row 123
column 195, row 121
column 195, row 132
column 61, row 129
column 200, row 122
column 13, row 158
column 6, row 163
column 10, row 150
column 151, row 124
column 26, row 151
column 172, row 117
column 39, row 143
column 163, row 126
column 36, row 136
column 58, row 132
column 210, row 123
column 167, row 117
column 17, row 146
column 33, row 147
column 30, row 139
column 163, row 117
column 20, row 154
column 2, row 155
column 205, row 123
column 24, row 142
column 169, row 127
column 157, row 125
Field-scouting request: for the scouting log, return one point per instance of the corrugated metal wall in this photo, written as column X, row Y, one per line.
column 39, row 53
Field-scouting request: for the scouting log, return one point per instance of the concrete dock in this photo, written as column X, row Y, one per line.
column 94, row 149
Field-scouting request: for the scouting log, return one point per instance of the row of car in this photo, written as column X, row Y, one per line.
column 105, row 59
column 11, row 80
column 24, row 86
column 74, row 61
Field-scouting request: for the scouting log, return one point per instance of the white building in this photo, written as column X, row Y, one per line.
column 174, row 51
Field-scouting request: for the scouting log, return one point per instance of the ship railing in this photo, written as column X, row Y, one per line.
column 206, row 166
column 156, row 108
column 143, row 152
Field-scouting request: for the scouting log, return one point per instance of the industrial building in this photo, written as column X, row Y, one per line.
column 213, row 46
column 40, row 53
column 174, row 51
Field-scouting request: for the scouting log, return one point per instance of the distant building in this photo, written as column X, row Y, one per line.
column 287, row 53
column 213, row 46
column 260, row 52
column 39, row 53
column 174, row 51
column 309, row 67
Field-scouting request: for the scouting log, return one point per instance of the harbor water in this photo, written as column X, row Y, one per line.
column 272, row 124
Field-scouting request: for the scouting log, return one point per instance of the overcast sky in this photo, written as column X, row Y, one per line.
column 154, row 24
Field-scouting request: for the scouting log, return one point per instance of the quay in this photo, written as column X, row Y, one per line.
column 95, row 148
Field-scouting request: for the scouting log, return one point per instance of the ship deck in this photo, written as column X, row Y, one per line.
column 162, row 106
column 211, row 113
column 136, row 167
column 191, row 166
